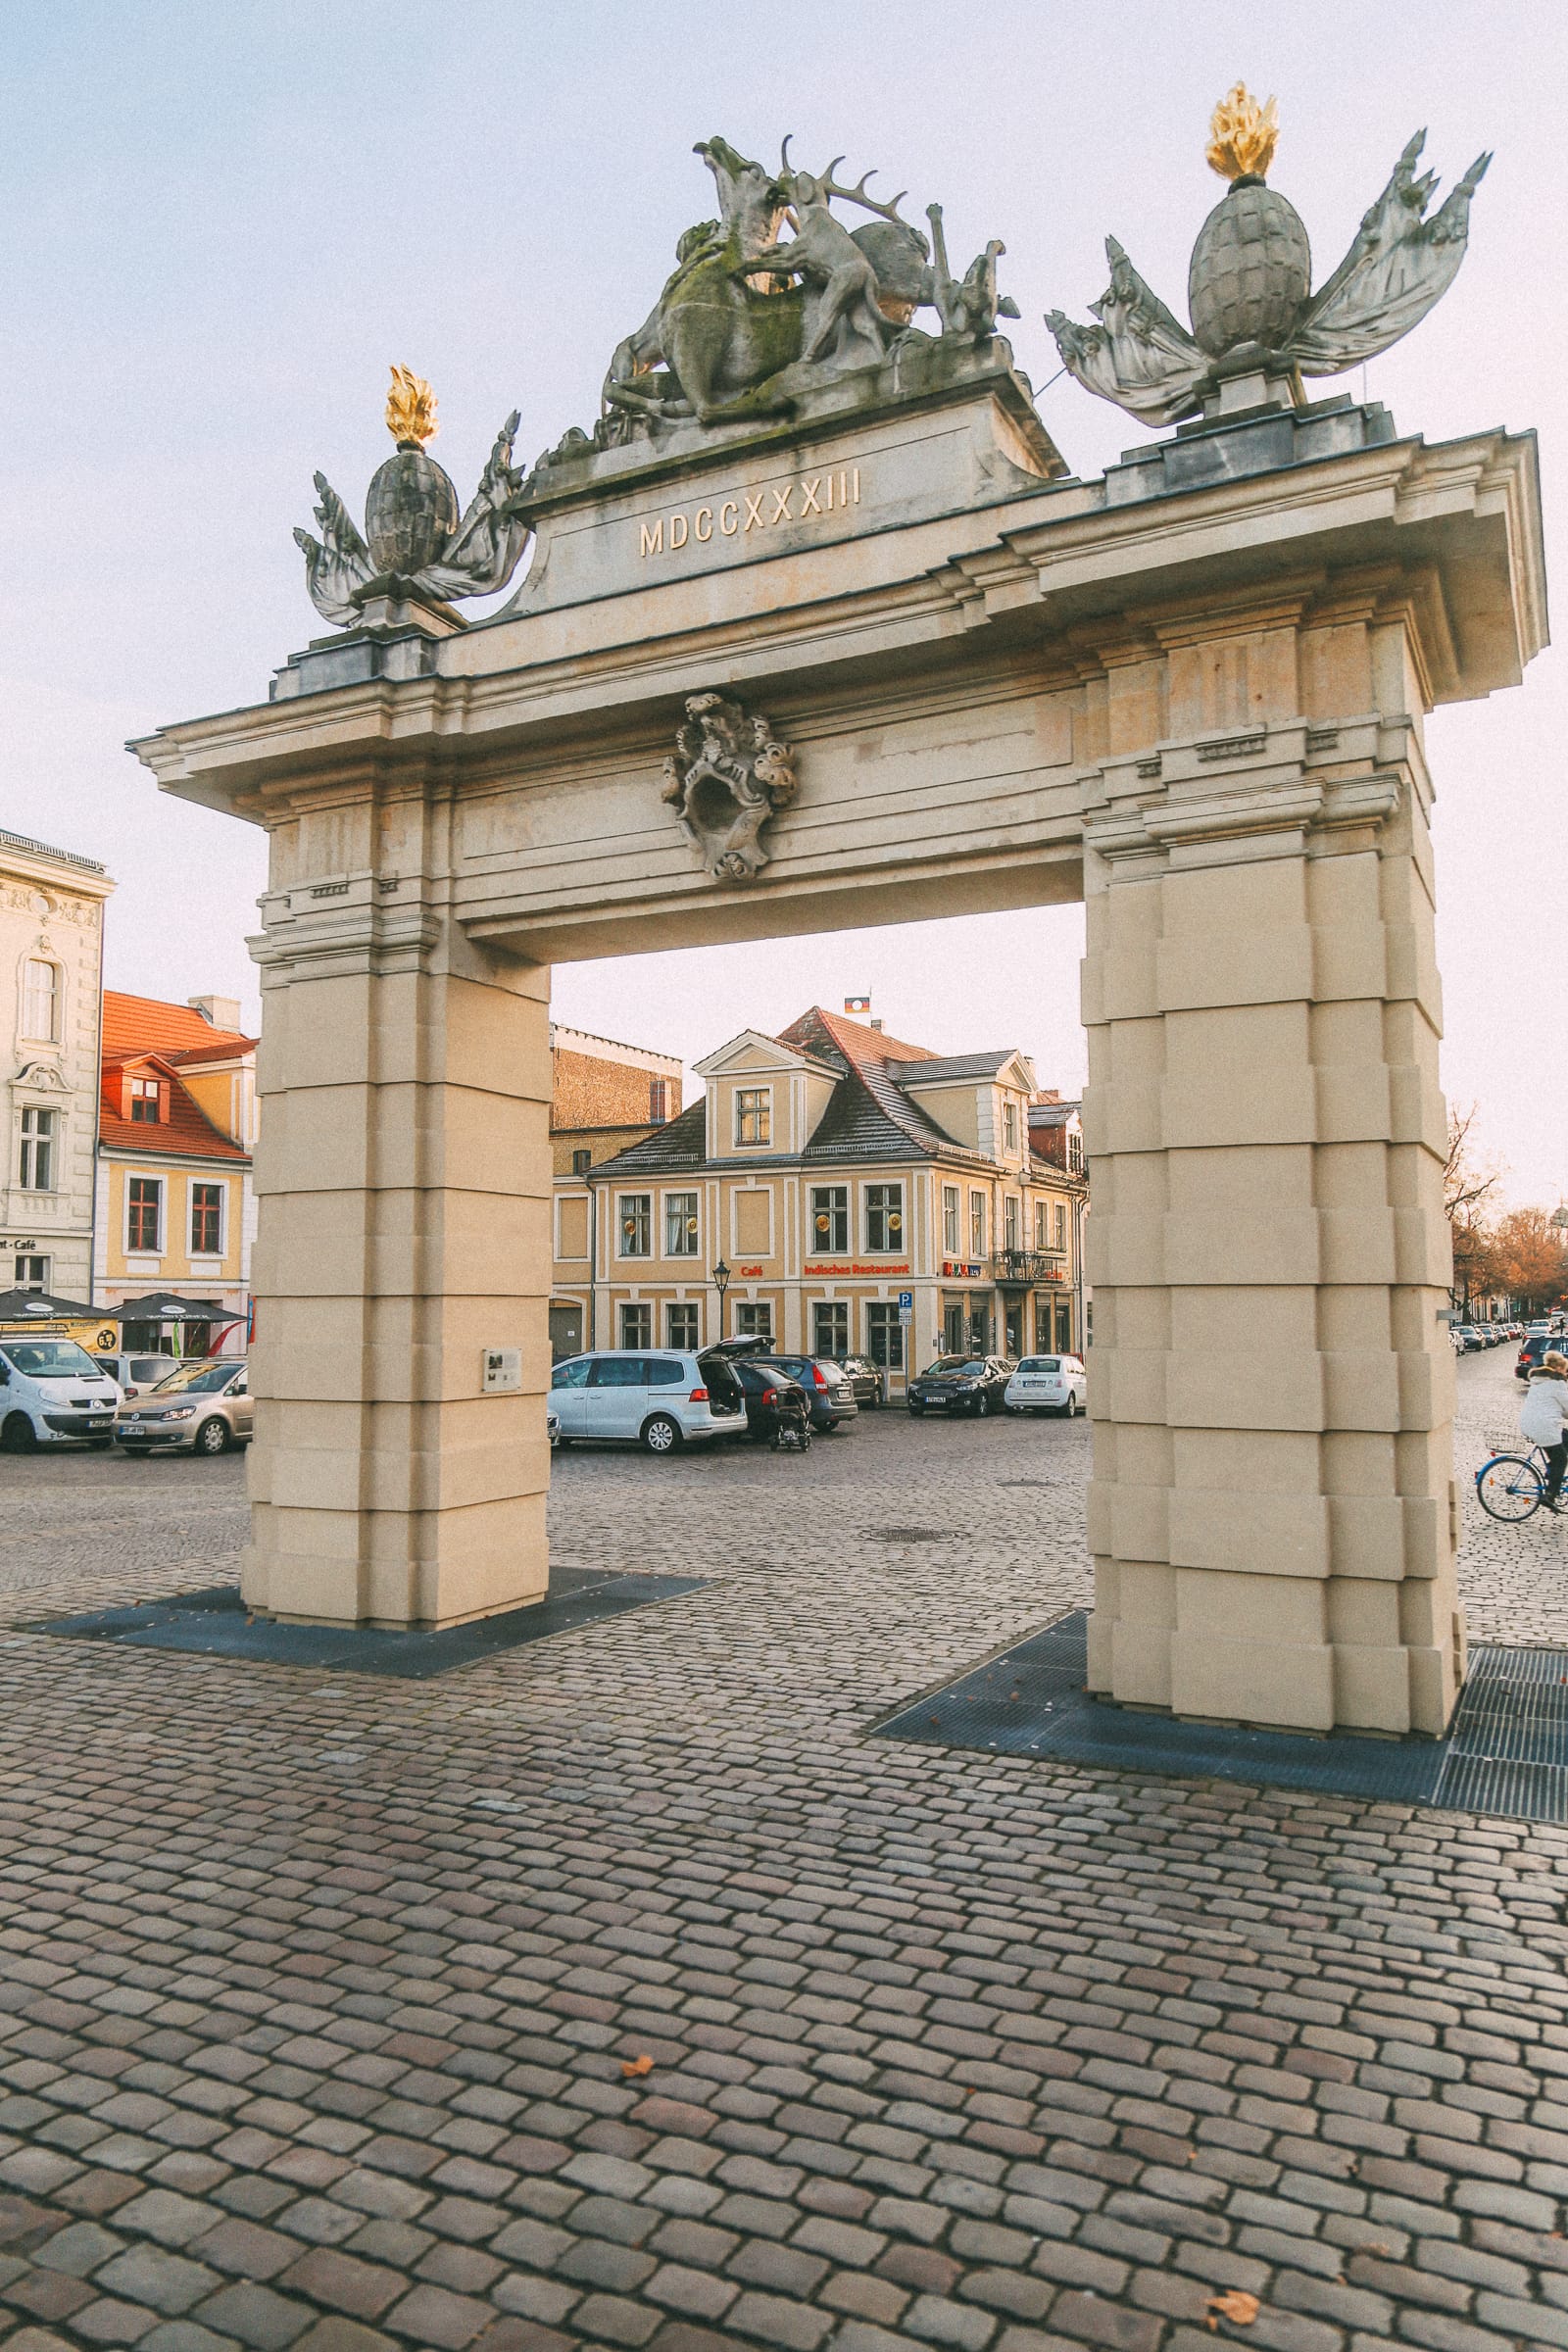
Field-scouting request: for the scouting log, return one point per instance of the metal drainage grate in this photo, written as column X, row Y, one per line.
column 1516, row 1789
column 1506, row 1751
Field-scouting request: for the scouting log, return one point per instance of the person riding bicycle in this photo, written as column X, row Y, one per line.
column 1543, row 1419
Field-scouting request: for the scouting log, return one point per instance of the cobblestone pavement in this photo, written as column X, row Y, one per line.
column 617, row 1992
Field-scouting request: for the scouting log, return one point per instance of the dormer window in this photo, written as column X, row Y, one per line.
column 1010, row 1126
column 1075, row 1153
column 753, row 1114
column 146, row 1101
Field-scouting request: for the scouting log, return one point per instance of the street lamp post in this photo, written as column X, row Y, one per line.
column 721, row 1285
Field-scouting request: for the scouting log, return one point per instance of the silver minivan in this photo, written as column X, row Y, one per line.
column 663, row 1398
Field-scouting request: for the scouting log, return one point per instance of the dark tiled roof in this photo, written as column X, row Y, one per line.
column 941, row 1068
column 679, row 1145
column 868, row 1117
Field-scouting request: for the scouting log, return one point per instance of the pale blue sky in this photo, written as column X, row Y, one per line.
column 221, row 224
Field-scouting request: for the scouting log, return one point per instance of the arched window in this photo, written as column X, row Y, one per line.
column 40, row 1001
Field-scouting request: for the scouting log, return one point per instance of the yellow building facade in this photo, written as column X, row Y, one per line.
column 861, row 1197
column 176, row 1210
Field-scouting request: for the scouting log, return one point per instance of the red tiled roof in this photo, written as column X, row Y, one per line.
column 186, row 1132
column 856, row 1041
column 149, row 1025
column 145, row 1032
column 183, row 1135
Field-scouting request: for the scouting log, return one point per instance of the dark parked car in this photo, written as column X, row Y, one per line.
column 961, row 1384
column 864, row 1379
column 830, row 1397
column 774, row 1401
column 828, row 1393
column 1539, row 1344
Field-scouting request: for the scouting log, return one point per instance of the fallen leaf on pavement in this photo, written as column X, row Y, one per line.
column 1236, row 2304
column 642, row 2065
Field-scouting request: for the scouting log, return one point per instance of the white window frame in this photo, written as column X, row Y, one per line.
column 643, row 1310
column 685, row 1308
column 51, row 1136
column 977, row 1226
column 1011, row 1222
column 889, row 1207
column 33, row 1271
column 1009, row 1125
column 832, row 1200
column 221, row 1188
column 29, row 996
column 690, row 1242
column 759, row 1099
column 624, row 1201
column 1062, row 1227
column 952, row 1221
column 841, row 1310
column 881, row 1314
column 142, row 1248
column 753, row 1310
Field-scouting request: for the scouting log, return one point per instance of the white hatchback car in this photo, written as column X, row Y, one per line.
column 663, row 1398
column 1047, row 1384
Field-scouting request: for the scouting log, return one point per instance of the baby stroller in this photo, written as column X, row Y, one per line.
column 792, row 1420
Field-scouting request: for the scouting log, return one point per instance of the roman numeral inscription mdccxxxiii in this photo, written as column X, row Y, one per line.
column 752, row 510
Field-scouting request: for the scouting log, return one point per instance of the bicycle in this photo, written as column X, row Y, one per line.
column 1512, row 1485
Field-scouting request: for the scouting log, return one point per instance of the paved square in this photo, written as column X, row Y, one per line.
column 619, row 1992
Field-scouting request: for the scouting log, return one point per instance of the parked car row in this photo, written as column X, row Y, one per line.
column 53, row 1393
column 1470, row 1337
column 669, row 1398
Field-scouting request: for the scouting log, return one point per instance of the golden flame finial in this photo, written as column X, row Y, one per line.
column 1241, row 135
column 410, row 407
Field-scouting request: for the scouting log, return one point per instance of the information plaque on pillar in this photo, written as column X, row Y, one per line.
column 502, row 1371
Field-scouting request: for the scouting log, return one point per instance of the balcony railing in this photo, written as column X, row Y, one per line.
column 1021, row 1267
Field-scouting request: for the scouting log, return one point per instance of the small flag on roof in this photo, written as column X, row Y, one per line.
column 857, row 1003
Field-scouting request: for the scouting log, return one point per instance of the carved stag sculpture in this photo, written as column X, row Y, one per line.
column 750, row 320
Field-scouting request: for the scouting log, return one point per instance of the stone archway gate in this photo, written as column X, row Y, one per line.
column 1192, row 691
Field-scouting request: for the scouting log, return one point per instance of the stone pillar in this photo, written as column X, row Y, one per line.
column 1273, row 1514
column 403, row 1177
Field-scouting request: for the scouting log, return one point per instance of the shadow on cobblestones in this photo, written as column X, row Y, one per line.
column 324, row 2008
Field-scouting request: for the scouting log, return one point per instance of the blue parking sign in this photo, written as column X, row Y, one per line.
column 905, row 1298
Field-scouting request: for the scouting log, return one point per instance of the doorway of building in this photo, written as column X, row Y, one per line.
column 566, row 1329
